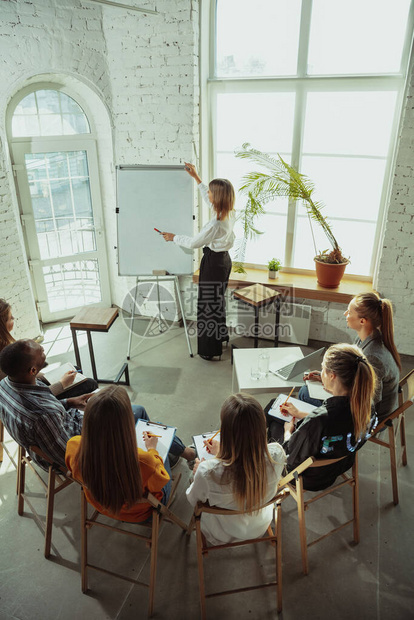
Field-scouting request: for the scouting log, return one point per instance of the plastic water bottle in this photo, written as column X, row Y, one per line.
column 263, row 364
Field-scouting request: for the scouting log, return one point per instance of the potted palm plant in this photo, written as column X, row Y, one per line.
column 273, row 266
column 281, row 179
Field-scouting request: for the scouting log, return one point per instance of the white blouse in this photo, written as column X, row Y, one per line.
column 217, row 234
column 206, row 487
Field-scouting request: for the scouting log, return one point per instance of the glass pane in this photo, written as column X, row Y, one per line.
column 57, row 164
column 74, row 123
column 78, row 164
column 55, row 114
column 50, row 125
column 349, row 187
column 68, row 105
column 82, row 197
column 355, row 239
column 61, row 204
column 27, row 105
column 355, row 37
column 259, row 38
column 62, row 198
column 39, row 194
column 48, row 101
column 265, row 120
column 349, row 123
column 36, row 167
column 25, row 126
column 73, row 284
column 269, row 245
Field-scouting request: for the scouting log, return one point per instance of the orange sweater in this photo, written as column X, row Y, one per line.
column 154, row 478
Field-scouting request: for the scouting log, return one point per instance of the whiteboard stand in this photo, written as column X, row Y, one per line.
column 160, row 319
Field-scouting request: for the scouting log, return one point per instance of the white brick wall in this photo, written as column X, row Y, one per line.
column 144, row 68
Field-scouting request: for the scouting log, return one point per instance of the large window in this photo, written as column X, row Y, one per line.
column 321, row 83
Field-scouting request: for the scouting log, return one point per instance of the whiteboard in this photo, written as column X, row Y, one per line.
column 151, row 197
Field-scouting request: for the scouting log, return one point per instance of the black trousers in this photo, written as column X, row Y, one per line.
column 215, row 268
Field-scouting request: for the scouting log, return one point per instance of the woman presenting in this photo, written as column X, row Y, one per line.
column 217, row 237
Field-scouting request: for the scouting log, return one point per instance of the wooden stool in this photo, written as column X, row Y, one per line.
column 256, row 296
column 96, row 320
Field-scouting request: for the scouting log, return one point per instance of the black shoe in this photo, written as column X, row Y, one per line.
column 206, row 357
column 226, row 339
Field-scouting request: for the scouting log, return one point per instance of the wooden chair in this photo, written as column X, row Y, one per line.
column 57, row 481
column 272, row 536
column 159, row 514
column 297, row 492
column 395, row 423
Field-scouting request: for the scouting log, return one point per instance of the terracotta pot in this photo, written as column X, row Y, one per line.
column 329, row 275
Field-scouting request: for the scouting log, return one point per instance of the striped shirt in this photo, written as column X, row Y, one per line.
column 33, row 416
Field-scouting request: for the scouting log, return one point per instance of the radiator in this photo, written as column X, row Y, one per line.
column 294, row 322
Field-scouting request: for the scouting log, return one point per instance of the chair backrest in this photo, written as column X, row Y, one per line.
column 36, row 450
column 280, row 494
column 406, row 388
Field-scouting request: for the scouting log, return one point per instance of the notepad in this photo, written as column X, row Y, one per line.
column 302, row 406
column 164, row 442
column 54, row 373
column 316, row 390
column 200, row 447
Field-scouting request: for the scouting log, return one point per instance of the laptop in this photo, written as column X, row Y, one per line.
column 309, row 362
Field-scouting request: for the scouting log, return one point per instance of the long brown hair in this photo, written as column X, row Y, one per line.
column 379, row 312
column 243, row 448
column 358, row 377
column 108, row 455
column 223, row 197
column 5, row 336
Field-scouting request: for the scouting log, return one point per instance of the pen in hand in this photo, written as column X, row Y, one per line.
column 158, row 231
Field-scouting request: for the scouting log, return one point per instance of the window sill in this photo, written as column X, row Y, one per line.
column 301, row 285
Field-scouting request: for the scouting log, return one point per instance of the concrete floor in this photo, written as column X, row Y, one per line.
column 371, row 580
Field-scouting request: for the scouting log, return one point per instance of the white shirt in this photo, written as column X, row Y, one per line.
column 217, row 234
column 206, row 487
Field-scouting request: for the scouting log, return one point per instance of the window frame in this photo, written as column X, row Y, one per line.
column 301, row 84
column 31, row 144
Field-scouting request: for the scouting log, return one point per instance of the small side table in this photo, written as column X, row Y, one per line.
column 256, row 296
column 96, row 320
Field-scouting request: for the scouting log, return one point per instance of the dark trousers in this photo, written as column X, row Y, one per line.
column 215, row 268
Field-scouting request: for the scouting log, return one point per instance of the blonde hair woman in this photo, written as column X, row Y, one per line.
column 342, row 424
column 372, row 318
column 217, row 237
column 243, row 475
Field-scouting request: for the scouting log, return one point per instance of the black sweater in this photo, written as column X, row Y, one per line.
column 326, row 433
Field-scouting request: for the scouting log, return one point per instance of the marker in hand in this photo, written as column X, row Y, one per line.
column 158, row 231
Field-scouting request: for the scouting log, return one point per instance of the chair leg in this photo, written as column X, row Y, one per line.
column 403, row 441
column 200, row 570
column 153, row 567
column 393, row 458
column 302, row 526
column 84, row 543
column 21, row 480
column 1, row 440
column 355, row 499
column 49, row 511
column 278, row 528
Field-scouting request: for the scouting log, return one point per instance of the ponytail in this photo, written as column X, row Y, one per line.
column 379, row 312
column 387, row 330
column 358, row 377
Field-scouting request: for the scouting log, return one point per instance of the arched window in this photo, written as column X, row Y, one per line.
column 54, row 159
